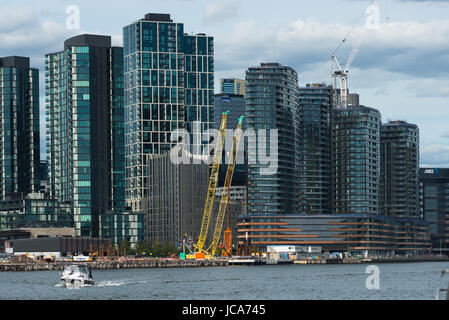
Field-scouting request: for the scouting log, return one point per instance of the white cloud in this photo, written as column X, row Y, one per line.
column 435, row 155
column 429, row 88
column 12, row 18
column 221, row 10
column 29, row 34
column 408, row 48
column 117, row 40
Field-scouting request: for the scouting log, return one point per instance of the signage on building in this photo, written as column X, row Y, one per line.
column 431, row 171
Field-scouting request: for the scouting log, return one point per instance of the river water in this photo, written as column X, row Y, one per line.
column 400, row 281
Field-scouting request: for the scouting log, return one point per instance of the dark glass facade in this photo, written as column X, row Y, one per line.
column 233, row 103
column 34, row 210
column 399, row 195
column 272, row 104
column 434, row 205
column 356, row 160
column 169, row 82
column 314, row 148
column 19, row 126
column 85, row 131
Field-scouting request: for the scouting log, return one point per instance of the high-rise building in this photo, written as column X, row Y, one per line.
column 34, row 210
column 272, row 104
column 235, row 104
column 232, row 86
column 19, row 126
column 353, row 99
column 176, row 204
column 314, row 148
column 169, row 83
column 434, row 207
column 85, row 129
column 356, row 160
column 399, row 192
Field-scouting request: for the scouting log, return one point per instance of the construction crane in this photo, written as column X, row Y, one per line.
column 224, row 202
column 338, row 71
column 212, row 183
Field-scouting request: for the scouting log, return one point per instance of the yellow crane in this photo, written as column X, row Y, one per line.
column 224, row 202
column 212, row 183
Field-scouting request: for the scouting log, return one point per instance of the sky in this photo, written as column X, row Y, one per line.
column 401, row 68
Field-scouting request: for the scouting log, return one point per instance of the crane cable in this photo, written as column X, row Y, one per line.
column 349, row 33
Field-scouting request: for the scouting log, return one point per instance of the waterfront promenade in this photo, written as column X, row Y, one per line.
column 177, row 263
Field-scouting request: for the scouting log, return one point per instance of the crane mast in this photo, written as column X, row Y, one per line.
column 342, row 74
column 224, row 202
column 212, row 183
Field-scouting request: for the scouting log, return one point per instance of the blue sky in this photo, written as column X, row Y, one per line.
column 402, row 68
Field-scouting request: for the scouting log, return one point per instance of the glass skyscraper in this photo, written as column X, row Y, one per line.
column 85, row 129
column 169, row 83
column 19, row 127
column 434, row 205
column 272, row 103
column 315, row 148
column 232, row 86
column 356, row 160
column 399, row 169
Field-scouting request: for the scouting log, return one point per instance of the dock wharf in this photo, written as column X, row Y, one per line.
column 116, row 264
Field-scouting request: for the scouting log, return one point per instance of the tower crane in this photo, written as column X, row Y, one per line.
column 338, row 71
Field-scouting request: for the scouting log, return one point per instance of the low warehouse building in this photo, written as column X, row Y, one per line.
column 32, row 233
column 57, row 247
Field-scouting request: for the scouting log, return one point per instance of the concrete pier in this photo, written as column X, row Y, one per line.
column 117, row 264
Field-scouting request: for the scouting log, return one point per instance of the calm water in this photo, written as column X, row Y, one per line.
column 300, row 282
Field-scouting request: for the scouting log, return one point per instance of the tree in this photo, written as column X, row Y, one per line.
column 126, row 246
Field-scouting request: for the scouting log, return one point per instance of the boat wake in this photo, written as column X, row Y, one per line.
column 73, row 286
column 107, row 283
column 110, row 283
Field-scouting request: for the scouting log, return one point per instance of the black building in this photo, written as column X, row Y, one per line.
column 59, row 246
column 399, row 169
column 272, row 106
column 85, row 130
column 434, row 203
column 315, row 148
column 19, row 126
column 356, row 160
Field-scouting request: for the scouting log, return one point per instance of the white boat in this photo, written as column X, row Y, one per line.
column 77, row 274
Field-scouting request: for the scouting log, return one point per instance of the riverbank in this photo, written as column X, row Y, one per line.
column 115, row 264
column 175, row 263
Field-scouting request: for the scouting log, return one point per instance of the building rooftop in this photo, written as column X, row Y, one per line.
column 399, row 123
column 88, row 40
column 164, row 17
column 358, row 107
column 316, row 85
column 15, row 61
